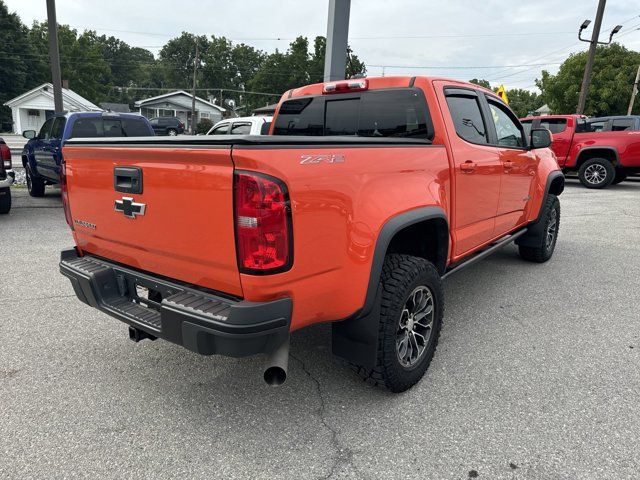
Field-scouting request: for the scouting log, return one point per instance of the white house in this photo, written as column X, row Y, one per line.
column 31, row 109
column 178, row 104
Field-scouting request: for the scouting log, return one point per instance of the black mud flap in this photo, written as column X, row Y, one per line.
column 356, row 339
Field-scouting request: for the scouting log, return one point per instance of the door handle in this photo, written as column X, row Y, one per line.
column 127, row 179
column 508, row 165
column 468, row 166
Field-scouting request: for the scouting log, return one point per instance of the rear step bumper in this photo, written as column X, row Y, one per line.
column 200, row 321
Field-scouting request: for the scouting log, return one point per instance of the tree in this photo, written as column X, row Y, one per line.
column 481, row 82
column 22, row 66
column 612, row 78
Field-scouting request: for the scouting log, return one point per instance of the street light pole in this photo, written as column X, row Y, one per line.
column 634, row 92
column 54, row 56
column 595, row 35
column 193, row 99
column 335, row 58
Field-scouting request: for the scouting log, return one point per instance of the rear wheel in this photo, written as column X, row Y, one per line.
column 35, row 185
column 551, row 227
column 172, row 132
column 5, row 200
column 596, row 173
column 411, row 313
column 620, row 177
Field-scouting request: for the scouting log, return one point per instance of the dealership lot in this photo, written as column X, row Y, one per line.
column 537, row 375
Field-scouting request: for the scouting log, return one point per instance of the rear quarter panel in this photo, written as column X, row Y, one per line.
column 338, row 212
column 626, row 144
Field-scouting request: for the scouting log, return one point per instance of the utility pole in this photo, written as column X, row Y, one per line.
column 595, row 35
column 54, row 56
column 335, row 58
column 634, row 92
column 193, row 99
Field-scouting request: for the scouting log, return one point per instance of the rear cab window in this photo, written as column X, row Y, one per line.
column 396, row 112
column 85, row 127
column 554, row 125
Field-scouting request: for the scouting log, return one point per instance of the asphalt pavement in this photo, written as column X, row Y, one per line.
column 537, row 375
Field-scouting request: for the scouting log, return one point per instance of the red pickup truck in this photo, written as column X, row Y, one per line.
column 364, row 197
column 603, row 151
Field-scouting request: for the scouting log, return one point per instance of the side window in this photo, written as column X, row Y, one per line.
column 58, row 127
column 87, row 127
column 509, row 133
column 45, row 131
column 595, row 126
column 241, row 128
column 153, row 121
column 467, row 118
column 554, row 125
column 220, row 130
column 622, row 124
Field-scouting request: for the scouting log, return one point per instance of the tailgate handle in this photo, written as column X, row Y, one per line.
column 127, row 179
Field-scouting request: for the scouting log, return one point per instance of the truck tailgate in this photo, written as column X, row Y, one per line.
column 180, row 225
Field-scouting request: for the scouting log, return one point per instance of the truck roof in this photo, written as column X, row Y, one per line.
column 375, row 83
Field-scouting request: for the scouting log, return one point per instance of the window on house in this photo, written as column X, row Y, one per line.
column 33, row 113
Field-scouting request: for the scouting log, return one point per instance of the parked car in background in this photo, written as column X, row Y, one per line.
column 603, row 151
column 620, row 123
column 171, row 126
column 7, row 176
column 242, row 126
column 42, row 155
column 369, row 192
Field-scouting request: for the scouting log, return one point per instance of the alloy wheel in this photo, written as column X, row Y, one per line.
column 552, row 228
column 415, row 327
column 595, row 174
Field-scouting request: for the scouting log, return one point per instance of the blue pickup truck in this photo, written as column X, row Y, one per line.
column 42, row 155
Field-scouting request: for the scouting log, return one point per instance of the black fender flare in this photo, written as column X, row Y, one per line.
column 356, row 338
column 587, row 149
column 535, row 231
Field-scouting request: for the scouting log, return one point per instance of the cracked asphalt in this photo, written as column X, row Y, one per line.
column 537, row 375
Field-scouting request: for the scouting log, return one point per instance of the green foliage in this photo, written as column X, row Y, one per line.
column 20, row 62
column 612, row 78
column 102, row 68
column 481, row 82
column 203, row 126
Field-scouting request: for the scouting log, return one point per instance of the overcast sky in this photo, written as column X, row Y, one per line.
column 506, row 41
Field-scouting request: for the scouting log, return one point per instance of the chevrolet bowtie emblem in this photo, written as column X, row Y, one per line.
column 129, row 208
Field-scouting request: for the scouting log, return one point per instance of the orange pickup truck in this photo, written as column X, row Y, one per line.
column 366, row 195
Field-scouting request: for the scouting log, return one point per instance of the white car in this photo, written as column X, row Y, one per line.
column 241, row 126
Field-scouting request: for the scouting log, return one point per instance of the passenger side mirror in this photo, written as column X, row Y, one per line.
column 540, row 138
column 29, row 134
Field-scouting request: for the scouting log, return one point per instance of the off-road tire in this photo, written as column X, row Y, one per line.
column 5, row 200
column 35, row 185
column 619, row 178
column 401, row 275
column 544, row 252
column 603, row 167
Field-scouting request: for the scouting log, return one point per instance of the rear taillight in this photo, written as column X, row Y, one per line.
column 5, row 156
column 65, row 193
column 263, row 223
